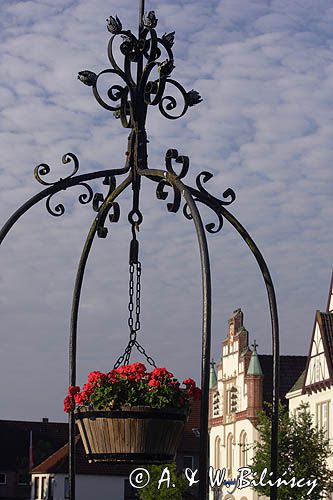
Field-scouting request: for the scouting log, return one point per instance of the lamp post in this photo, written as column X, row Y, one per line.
column 129, row 100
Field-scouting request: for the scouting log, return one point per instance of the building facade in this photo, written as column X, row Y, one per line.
column 23, row 444
column 239, row 386
column 315, row 385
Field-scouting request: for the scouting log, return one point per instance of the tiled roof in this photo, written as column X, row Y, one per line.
column 190, row 439
column 15, row 441
column 58, row 462
column 330, row 296
column 299, row 382
column 291, row 368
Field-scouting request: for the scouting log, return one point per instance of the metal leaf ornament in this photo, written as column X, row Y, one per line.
column 193, row 97
column 114, row 25
column 169, row 39
column 87, row 77
column 150, row 20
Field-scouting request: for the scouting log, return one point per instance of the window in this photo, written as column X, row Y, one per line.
column 196, row 432
column 3, row 478
column 66, row 491
column 188, row 462
column 317, row 370
column 217, row 453
column 322, row 417
column 36, row 487
column 243, row 451
column 229, row 455
column 230, row 397
column 216, row 404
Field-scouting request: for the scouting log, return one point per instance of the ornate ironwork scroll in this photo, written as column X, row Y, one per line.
column 143, row 80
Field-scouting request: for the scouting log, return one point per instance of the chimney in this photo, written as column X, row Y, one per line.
column 45, row 420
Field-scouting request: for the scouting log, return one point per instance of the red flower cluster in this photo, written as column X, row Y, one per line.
column 193, row 391
column 69, row 404
column 159, row 376
column 132, row 385
column 131, row 372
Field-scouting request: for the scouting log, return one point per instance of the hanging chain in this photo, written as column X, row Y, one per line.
column 134, row 289
column 134, row 327
column 134, row 308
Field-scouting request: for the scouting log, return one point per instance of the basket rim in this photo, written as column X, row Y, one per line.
column 137, row 412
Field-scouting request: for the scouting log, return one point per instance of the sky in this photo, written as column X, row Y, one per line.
column 264, row 69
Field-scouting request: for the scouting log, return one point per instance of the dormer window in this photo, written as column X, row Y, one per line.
column 216, row 404
column 231, row 398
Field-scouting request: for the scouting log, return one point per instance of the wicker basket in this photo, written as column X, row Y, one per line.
column 137, row 434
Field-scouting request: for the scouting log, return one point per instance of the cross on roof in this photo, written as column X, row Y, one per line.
column 255, row 345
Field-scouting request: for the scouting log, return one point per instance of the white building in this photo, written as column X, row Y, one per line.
column 240, row 385
column 315, row 385
column 49, row 480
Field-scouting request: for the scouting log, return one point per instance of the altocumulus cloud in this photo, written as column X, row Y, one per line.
column 264, row 128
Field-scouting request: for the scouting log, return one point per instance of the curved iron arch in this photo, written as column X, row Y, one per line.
column 131, row 101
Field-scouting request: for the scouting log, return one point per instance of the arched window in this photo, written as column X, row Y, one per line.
column 243, row 450
column 217, row 453
column 229, row 454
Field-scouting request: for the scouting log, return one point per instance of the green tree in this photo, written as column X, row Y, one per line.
column 303, row 453
column 151, row 491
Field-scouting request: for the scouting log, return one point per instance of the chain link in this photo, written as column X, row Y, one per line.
column 134, row 323
column 143, row 352
column 134, row 285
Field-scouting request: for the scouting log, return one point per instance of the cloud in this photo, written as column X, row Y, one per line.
column 264, row 70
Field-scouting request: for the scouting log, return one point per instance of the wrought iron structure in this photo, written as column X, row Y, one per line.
column 143, row 82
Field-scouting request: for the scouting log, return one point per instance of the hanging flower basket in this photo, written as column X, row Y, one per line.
column 131, row 416
column 138, row 434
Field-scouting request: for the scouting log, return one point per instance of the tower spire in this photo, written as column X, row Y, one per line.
column 212, row 375
column 254, row 366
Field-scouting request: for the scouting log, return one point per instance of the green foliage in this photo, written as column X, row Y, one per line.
column 303, row 452
column 151, row 491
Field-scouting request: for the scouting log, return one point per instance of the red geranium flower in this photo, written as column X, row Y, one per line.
column 80, row 398
column 153, row 383
column 96, row 377
column 73, row 389
column 189, row 382
column 161, row 373
column 68, row 404
column 195, row 393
